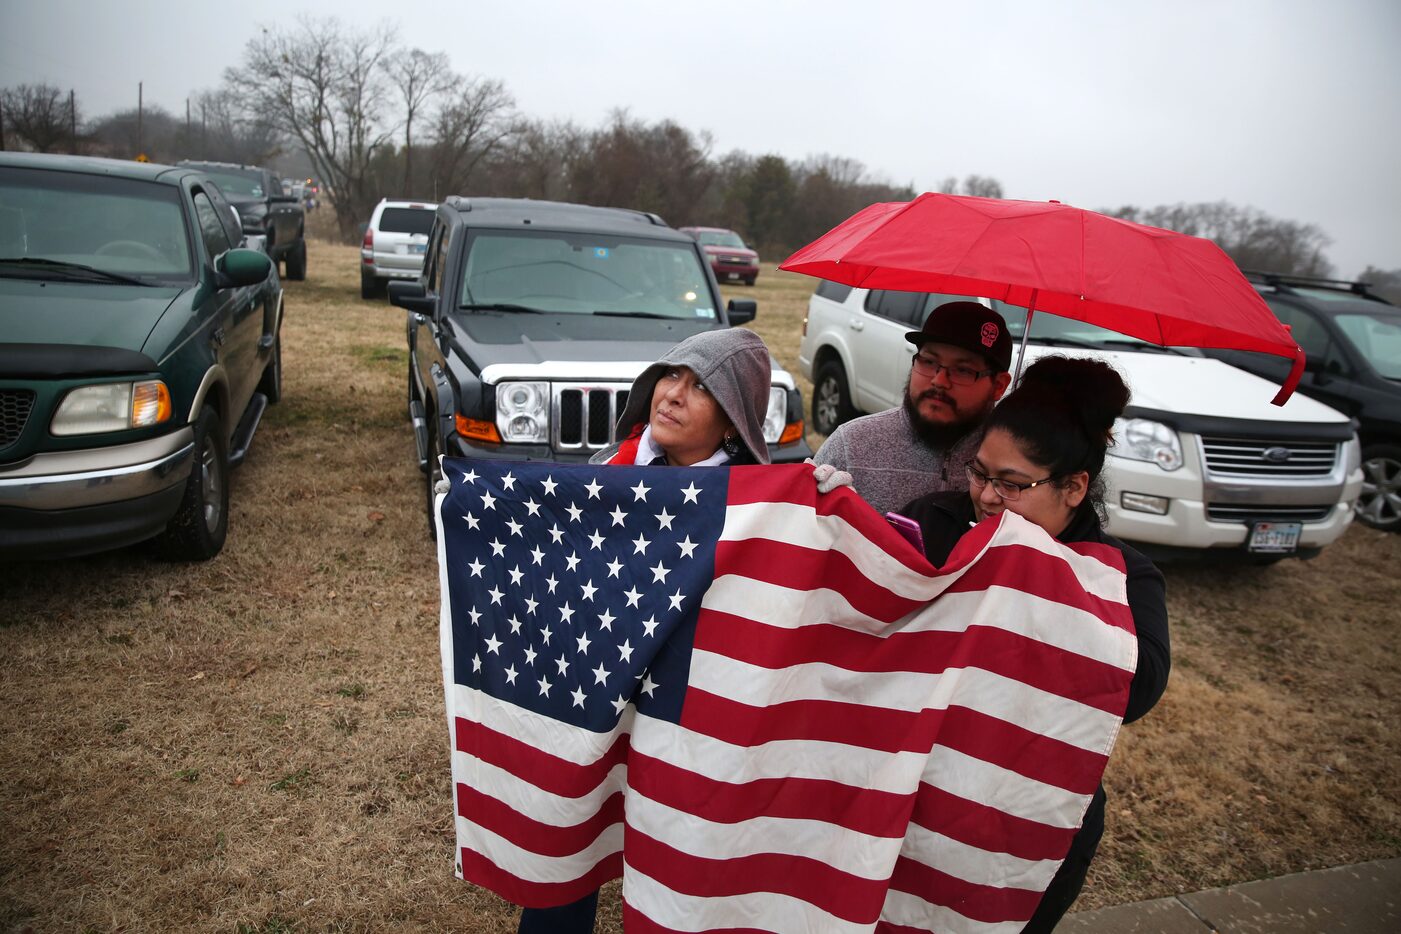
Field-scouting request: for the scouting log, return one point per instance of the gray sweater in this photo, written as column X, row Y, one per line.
column 889, row 465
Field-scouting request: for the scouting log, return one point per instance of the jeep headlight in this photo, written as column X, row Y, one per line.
column 112, row 407
column 1141, row 439
column 523, row 411
column 777, row 415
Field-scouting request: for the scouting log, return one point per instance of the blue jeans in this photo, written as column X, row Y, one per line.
column 574, row 918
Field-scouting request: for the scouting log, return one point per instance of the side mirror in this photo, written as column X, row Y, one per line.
column 742, row 310
column 411, row 296
column 241, row 267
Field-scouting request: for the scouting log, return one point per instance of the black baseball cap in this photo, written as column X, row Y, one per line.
column 969, row 326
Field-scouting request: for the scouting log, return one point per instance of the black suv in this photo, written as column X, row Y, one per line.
column 264, row 210
column 532, row 318
column 1353, row 341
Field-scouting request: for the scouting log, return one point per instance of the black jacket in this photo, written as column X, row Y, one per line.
column 944, row 517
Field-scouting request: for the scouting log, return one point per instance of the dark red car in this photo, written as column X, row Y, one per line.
column 728, row 255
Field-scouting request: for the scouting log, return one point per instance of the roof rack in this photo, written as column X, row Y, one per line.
column 1283, row 281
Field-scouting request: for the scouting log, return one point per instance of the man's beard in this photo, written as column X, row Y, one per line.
column 936, row 435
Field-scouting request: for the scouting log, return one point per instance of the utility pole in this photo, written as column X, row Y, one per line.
column 140, row 113
column 2, row 124
column 72, row 122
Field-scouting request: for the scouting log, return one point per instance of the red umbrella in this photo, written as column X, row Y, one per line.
column 1157, row 285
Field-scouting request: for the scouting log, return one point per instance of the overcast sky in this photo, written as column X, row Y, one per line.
column 1289, row 106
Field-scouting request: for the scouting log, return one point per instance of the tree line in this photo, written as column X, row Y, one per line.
column 370, row 119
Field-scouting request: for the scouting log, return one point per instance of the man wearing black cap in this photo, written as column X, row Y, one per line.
column 958, row 371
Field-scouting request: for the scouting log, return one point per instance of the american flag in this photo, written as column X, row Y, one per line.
column 762, row 708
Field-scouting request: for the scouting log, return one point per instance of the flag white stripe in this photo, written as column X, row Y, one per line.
column 858, row 854
column 571, row 743
column 529, row 799
column 534, row 867
column 985, row 783
column 1013, row 611
column 976, row 865
column 897, row 773
column 913, row 911
column 973, row 688
column 754, row 909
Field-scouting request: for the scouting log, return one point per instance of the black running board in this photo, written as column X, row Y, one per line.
column 243, row 434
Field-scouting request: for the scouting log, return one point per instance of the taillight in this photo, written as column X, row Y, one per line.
column 368, row 245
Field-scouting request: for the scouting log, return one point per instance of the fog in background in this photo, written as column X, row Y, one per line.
column 1286, row 106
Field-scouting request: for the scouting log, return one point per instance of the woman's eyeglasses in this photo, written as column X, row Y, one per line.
column 1009, row 490
column 958, row 375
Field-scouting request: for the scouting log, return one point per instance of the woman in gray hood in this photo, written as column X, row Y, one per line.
column 701, row 405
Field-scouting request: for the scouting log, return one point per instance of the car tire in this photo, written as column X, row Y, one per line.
column 271, row 383
column 369, row 285
column 197, row 530
column 831, row 398
column 1380, row 503
column 749, row 280
column 296, row 260
column 431, row 478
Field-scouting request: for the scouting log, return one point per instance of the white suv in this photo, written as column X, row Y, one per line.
column 1203, row 460
column 395, row 243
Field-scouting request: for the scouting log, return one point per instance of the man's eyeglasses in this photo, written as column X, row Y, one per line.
column 1009, row 490
column 958, row 375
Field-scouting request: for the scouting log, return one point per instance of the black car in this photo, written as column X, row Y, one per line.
column 264, row 210
column 1353, row 341
column 532, row 318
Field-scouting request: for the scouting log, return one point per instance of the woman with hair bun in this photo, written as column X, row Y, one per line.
column 1042, row 457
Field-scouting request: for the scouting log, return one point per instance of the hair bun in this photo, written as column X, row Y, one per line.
column 1093, row 388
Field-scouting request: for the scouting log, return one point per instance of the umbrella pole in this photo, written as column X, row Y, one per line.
column 1026, row 332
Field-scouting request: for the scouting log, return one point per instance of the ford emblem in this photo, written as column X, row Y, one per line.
column 1277, row 455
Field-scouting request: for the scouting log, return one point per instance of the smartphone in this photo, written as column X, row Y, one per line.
column 908, row 529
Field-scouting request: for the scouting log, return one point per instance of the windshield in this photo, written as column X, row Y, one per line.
column 1377, row 337
column 237, row 185
column 120, row 226
column 720, row 238
column 584, row 273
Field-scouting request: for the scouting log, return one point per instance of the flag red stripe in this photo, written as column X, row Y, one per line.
column 551, row 773
column 987, row 828
column 842, row 894
column 1009, row 654
column 958, row 728
column 529, row 834
column 1041, row 575
column 804, row 569
column 478, row 870
column 864, row 810
column 986, row 903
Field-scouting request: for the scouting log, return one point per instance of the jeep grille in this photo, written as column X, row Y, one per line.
column 584, row 414
column 15, row 405
column 1245, row 457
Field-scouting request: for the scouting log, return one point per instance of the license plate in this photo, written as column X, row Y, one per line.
column 1274, row 537
column 731, row 275
column 418, row 248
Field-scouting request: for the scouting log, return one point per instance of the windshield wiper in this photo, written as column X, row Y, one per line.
column 635, row 314
column 74, row 270
column 1145, row 346
column 502, row 306
column 1059, row 341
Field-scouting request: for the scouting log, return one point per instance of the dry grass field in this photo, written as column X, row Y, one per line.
column 257, row 744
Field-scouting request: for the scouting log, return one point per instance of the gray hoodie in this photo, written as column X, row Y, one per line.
column 732, row 363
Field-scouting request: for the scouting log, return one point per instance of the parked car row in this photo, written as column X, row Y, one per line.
column 140, row 342
column 1203, row 462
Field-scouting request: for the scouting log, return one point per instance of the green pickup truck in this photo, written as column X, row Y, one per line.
column 139, row 346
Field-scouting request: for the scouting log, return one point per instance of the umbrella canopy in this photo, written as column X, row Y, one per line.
column 1157, row 285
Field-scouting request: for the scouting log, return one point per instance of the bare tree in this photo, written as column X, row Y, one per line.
column 979, row 186
column 1384, row 282
column 419, row 77
column 229, row 132
column 325, row 86
column 39, row 117
column 1252, row 238
column 467, row 129
column 153, row 132
column 536, row 160
column 661, row 167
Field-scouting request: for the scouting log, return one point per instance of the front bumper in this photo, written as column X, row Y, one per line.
column 77, row 502
column 794, row 453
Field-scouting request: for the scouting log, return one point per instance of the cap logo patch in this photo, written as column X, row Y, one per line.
column 989, row 334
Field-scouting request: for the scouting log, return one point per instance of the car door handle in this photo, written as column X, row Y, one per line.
column 856, row 325
column 217, row 337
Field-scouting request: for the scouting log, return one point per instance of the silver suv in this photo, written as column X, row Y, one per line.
column 395, row 243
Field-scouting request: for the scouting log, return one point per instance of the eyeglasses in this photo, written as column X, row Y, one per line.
column 1008, row 490
column 958, row 375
